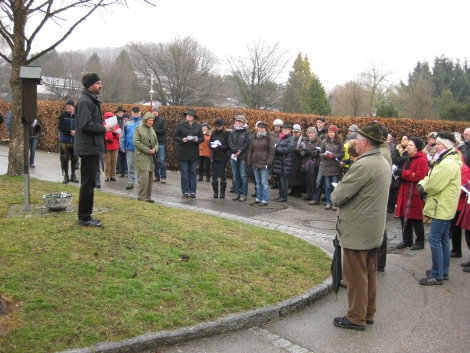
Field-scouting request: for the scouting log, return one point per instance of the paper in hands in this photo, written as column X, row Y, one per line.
column 112, row 121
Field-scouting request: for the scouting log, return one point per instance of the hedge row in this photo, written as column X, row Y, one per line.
column 48, row 113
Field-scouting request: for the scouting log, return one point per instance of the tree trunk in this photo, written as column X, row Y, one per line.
column 16, row 149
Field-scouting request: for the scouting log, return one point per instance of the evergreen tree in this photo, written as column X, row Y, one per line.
column 297, row 86
column 316, row 101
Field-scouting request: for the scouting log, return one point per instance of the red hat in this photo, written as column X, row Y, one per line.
column 333, row 128
column 108, row 115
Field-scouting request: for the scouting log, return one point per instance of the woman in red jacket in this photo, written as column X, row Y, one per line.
column 409, row 204
column 112, row 147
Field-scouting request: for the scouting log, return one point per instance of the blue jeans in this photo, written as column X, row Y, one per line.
column 130, row 167
column 240, row 177
column 188, row 177
column 328, row 187
column 262, row 184
column 440, row 248
column 218, row 168
column 318, row 186
column 33, row 142
column 160, row 168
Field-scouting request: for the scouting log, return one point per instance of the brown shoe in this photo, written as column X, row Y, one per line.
column 155, row 179
column 163, row 181
column 313, row 202
column 129, row 186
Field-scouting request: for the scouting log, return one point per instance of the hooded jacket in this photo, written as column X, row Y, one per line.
column 442, row 186
column 143, row 137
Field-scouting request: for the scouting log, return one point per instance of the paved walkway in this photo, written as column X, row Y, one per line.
column 410, row 317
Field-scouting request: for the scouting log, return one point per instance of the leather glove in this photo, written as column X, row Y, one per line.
column 109, row 141
column 114, row 133
column 421, row 192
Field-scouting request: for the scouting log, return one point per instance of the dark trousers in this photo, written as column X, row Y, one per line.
column 392, row 198
column 417, row 225
column 360, row 275
column 383, row 251
column 121, row 163
column 204, row 166
column 88, row 167
column 283, row 186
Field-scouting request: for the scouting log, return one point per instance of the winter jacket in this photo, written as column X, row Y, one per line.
column 112, row 139
column 442, row 186
column 89, row 133
column 362, row 199
column 127, row 133
column 220, row 153
column 261, row 152
column 188, row 151
column 66, row 124
column 143, row 161
column 160, row 127
column 34, row 128
column 204, row 149
column 240, row 140
column 414, row 170
column 283, row 151
column 298, row 175
column 329, row 164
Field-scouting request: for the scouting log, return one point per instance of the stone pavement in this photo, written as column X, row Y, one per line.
column 409, row 318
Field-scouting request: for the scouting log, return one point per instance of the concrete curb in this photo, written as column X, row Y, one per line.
column 230, row 323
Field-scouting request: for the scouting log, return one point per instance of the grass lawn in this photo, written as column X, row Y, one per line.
column 71, row 286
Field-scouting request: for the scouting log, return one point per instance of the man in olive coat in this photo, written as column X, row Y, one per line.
column 361, row 198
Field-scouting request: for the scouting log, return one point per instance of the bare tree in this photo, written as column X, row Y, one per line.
column 350, row 99
column 417, row 98
column 64, row 73
column 184, row 71
column 253, row 76
column 17, row 14
column 376, row 82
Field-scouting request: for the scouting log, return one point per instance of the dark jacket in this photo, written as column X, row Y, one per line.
column 331, row 166
column 188, row 151
column 160, row 127
column 66, row 123
column 283, row 151
column 298, row 175
column 89, row 135
column 240, row 140
column 261, row 152
column 220, row 153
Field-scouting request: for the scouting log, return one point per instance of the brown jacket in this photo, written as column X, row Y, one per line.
column 261, row 152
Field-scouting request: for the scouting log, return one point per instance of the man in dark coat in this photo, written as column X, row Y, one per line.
column 160, row 127
column 89, row 144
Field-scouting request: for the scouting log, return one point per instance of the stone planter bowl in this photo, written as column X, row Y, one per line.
column 56, row 203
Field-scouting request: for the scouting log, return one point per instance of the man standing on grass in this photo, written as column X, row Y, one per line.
column 361, row 198
column 89, row 145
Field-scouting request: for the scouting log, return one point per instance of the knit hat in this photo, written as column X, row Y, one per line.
column 90, row 79
column 333, row 128
column 418, row 142
column 432, row 135
column 296, row 128
column 277, row 122
column 155, row 109
column 205, row 123
column 262, row 124
column 108, row 115
column 219, row 122
column 70, row 102
column 240, row 118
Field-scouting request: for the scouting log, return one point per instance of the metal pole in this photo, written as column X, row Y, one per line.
column 26, row 165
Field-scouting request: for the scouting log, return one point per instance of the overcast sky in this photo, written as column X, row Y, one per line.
column 339, row 36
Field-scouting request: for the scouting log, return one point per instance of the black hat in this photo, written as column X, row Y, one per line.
column 286, row 125
column 70, row 102
column 120, row 109
column 418, row 143
column 373, row 131
column 135, row 109
column 191, row 112
column 90, row 79
column 320, row 118
column 219, row 122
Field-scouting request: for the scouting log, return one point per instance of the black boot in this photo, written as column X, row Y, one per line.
column 200, row 177
column 223, row 186
column 66, row 179
column 73, row 179
column 208, row 178
column 215, row 187
column 254, row 194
